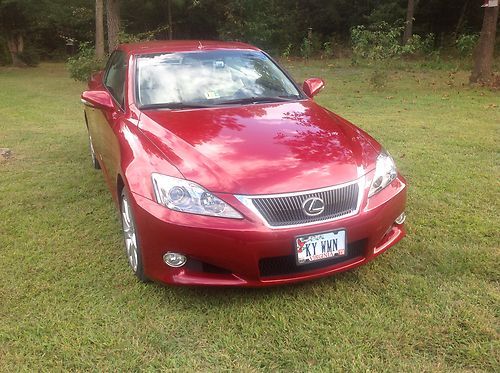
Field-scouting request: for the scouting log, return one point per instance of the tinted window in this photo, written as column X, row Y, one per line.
column 211, row 77
column 115, row 76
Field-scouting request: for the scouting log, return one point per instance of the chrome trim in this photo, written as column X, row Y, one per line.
column 86, row 103
column 401, row 218
column 247, row 200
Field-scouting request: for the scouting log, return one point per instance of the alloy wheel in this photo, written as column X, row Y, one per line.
column 130, row 234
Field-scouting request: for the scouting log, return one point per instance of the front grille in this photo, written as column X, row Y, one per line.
column 286, row 210
column 287, row 265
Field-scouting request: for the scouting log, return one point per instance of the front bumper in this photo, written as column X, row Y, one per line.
column 230, row 252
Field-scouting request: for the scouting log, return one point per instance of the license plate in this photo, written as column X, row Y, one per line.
column 320, row 246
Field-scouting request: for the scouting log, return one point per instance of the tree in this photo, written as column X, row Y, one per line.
column 170, row 28
column 99, row 29
column 483, row 54
column 113, row 22
column 410, row 12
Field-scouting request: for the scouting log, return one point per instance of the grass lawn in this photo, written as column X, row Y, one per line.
column 432, row 303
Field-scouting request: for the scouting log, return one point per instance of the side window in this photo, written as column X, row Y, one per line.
column 115, row 76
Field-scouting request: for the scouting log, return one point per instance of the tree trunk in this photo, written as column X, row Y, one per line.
column 113, row 22
column 483, row 54
column 410, row 12
column 170, row 27
column 99, row 29
column 15, row 43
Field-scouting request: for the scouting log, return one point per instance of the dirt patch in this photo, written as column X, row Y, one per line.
column 5, row 154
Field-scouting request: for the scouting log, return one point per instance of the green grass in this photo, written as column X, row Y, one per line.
column 432, row 303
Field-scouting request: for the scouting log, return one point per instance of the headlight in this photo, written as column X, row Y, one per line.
column 186, row 196
column 385, row 172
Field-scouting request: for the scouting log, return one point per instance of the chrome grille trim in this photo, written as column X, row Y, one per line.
column 284, row 210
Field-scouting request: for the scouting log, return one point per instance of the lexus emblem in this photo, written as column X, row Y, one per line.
column 313, row 206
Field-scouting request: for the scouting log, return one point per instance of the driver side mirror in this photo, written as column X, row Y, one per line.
column 98, row 99
column 313, row 86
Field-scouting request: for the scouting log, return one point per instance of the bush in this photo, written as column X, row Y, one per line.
column 306, row 48
column 418, row 45
column 327, row 50
column 466, row 43
column 287, row 52
column 84, row 63
column 377, row 42
column 382, row 41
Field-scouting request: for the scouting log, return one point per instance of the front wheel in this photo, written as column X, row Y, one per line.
column 132, row 248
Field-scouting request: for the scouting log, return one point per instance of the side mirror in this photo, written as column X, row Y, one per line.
column 312, row 86
column 98, row 99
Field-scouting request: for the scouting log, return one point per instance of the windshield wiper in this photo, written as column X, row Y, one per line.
column 176, row 105
column 256, row 100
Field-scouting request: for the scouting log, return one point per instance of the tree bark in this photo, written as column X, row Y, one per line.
column 410, row 12
column 99, row 29
column 483, row 53
column 170, row 27
column 113, row 22
column 15, row 44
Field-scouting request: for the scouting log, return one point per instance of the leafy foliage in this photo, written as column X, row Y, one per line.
column 306, row 48
column 376, row 42
column 465, row 43
column 382, row 41
column 287, row 52
column 272, row 25
column 327, row 50
column 84, row 63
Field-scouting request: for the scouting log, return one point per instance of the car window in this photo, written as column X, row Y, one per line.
column 210, row 77
column 115, row 76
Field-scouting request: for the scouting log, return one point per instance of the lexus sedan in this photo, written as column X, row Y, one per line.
column 227, row 173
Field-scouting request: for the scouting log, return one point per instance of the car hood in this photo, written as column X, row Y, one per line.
column 262, row 148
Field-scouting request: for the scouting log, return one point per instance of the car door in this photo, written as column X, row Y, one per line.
column 104, row 123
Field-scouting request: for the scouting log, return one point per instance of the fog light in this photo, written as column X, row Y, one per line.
column 174, row 259
column 401, row 219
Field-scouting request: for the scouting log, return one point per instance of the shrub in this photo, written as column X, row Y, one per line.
column 84, row 63
column 382, row 41
column 327, row 50
column 465, row 43
column 306, row 48
column 287, row 51
column 418, row 45
column 377, row 42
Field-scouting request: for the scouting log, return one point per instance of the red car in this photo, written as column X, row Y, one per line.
column 227, row 173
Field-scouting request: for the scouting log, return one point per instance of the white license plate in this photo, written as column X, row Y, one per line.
column 320, row 246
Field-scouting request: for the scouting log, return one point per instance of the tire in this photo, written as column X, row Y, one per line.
column 95, row 162
column 132, row 247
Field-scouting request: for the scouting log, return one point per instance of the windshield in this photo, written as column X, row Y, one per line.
column 210, row 78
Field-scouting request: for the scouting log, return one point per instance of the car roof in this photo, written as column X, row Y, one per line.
column 167, row 46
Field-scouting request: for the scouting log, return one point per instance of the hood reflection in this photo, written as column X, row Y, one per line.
column 260, row 149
